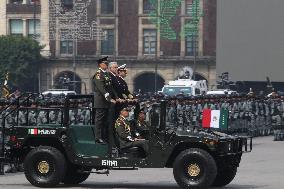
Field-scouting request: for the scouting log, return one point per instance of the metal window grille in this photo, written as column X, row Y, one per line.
column 189, row 8
column 31, row 32
column 150, row 41
column 107, row 6
column 148, row 6
column 16, row 27
column 66, row 47
column 107, row 46
column 191, row 42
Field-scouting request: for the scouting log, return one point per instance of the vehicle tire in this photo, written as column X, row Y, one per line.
column 73, row 176
column 194, row 169
column 45, row 166
column 225, row 175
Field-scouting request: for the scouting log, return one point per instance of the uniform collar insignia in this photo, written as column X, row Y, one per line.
column 102, row 70
column 123, row 118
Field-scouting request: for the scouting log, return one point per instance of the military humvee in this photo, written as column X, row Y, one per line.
column 57, row 145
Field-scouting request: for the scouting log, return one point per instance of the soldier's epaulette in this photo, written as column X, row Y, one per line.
column 97, row 75
column 119, row 120
column 118, row 123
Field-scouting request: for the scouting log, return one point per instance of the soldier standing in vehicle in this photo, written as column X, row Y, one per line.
column 113, row 67
column 123, row 133
column 103, row 97
column 114, row 77
column 123, row 87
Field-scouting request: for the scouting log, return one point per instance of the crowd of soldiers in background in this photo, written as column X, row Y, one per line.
column 256, row 115
column 248, row 114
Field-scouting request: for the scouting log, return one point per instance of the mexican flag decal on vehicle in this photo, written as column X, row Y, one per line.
column 215, row 118
column 33, row 132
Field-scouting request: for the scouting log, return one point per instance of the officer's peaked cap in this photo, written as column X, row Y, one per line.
column 126, row 109
column 103, row 60
column 122, row 67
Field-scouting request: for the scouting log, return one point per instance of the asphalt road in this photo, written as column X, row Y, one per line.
column 263, row 168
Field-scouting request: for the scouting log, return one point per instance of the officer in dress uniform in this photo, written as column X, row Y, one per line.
column 142, row 127
column 123, row 87
column 103, row 97
column 123, row 133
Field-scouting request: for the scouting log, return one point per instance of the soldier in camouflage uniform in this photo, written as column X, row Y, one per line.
column 32, row 117
column 276, row 119
column 59, row 117
column 42, row 117
column 22, row 119
column 10, row 122
column 171, row 113
column 52, row 117
column 86, row 114
column 72, row 116
column 180, row 114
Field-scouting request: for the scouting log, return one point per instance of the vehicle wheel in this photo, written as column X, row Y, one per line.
column 45, row 166
column 73, row 176
column 195, row 169
column 225, row 175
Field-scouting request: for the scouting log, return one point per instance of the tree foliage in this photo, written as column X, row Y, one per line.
column 20, row 57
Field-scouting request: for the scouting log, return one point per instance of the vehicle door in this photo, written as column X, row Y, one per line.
column 79, row 118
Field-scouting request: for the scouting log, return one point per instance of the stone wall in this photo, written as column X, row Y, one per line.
column 3, row 18
column 85, row 69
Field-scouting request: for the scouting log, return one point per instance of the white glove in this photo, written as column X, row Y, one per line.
column 130, row 138
column 106, row 96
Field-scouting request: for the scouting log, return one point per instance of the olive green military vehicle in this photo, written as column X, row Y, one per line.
column 57, row 145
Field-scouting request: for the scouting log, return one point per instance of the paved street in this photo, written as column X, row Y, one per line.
column 261, row 169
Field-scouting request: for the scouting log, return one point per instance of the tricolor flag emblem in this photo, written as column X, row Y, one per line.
column 215, row 118
column 33, row 132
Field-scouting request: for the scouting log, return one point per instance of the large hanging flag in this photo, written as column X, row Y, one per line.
column 215, row 118
column 5, row 89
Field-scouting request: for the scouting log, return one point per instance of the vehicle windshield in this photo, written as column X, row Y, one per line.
column 172, row 91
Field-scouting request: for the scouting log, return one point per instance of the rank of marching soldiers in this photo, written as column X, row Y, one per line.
column 215, row 118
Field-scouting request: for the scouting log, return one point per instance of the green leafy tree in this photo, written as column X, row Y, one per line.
column 20, row 57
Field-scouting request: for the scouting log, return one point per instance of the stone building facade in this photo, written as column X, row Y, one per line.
column 132, row 38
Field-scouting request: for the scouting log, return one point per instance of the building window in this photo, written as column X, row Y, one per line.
column 188, row 8
column 107, row 46
column 16, row 27
column 66, row 47
column 149, row 6
column 33, row 2
column 191, row 42
column 17, row 2
column 149, row 41
column 107, row 6
column 34, row 29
